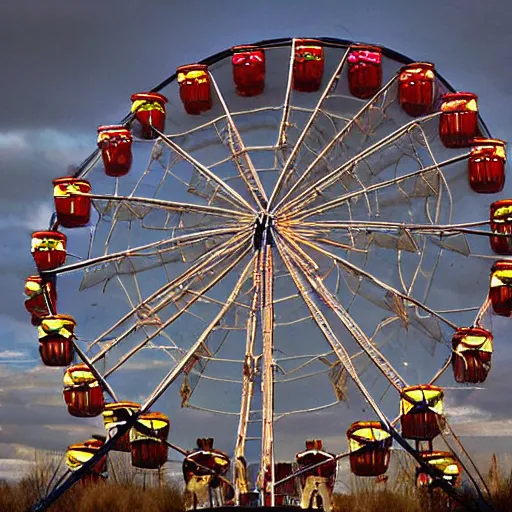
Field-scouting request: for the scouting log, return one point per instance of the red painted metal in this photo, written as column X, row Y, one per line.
column 500, row 291
column 115, row 142
column 364, row 71
column 48, row 253
column 458, row 125
column 248, row 70
column 501, row 223
column 149, row 108
column 308, row 65
column 195, row 88
column 416, row 86
column 372, row 459
column 72, row 211
column 471, row 359
column 36, row 303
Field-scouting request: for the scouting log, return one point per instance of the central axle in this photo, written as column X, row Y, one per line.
column 263, row 231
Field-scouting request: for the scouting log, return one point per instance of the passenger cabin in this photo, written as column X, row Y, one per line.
column 73, row 211
column 82, row 392
column 195, row 88
column 472, row 352
column 458, row 125
column 421, row 412
column 148, row 440
column 149, row 110
column 248, row 70
column 48, row 249
column 416, row 88
column 364, row 71
column 115, row 142
column 55, row 340
column 370, row 448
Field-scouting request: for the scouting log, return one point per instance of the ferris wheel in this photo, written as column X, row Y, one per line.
column 285, row 240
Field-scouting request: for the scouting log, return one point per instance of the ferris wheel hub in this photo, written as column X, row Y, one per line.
column 263, row 231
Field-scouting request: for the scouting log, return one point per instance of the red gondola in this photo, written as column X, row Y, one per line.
column 48, row 249
column 364, row 71
column 148, row 440
column 287, row 490
column 248, row 70
column 73, row 211
column 320, row 479
column 55, row 335
column 35, row 303
column 308, row 65
column 82, row 393
column 149, row 110
column 421, row 412
column 115, row 414
column 446, row 464
column 486, row 165
column 370, row 448
column 500, row 289
column 416, row 88
column 501, row 222
column 79, row 454
column 458, row 125
column 195, row 88
column 115, row 142
column 203, row 469
column 472, row 351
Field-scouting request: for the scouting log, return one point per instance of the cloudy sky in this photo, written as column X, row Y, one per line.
column 68, row 67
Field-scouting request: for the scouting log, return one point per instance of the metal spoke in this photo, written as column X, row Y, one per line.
column 240, row 156
column 178, row 241
column 281, row 138
column 248, row 375
column 172, row 206
column 205, row 171
column 266, row 271
column 334, row 175
column 299, row 212
column 208, row 262
column 388, row 226
column 356, row 332
column 218, row 277
column 372, row 278
column 284, row 175
column 338, row 138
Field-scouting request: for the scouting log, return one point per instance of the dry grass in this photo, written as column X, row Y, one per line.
column 125, row 492
column 100, row 498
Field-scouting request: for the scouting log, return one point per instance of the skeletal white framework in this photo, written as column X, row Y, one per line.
column 268, row 220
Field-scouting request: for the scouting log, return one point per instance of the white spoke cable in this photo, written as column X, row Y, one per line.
column 174, row 242
column 240, row 156
column 299, row 214
column 204, row 263
column 205, row 171
column 281, row 137
column 378, row 282
column 335, row 140
column 218, row 277
column 284, row 175
column 334, row 175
